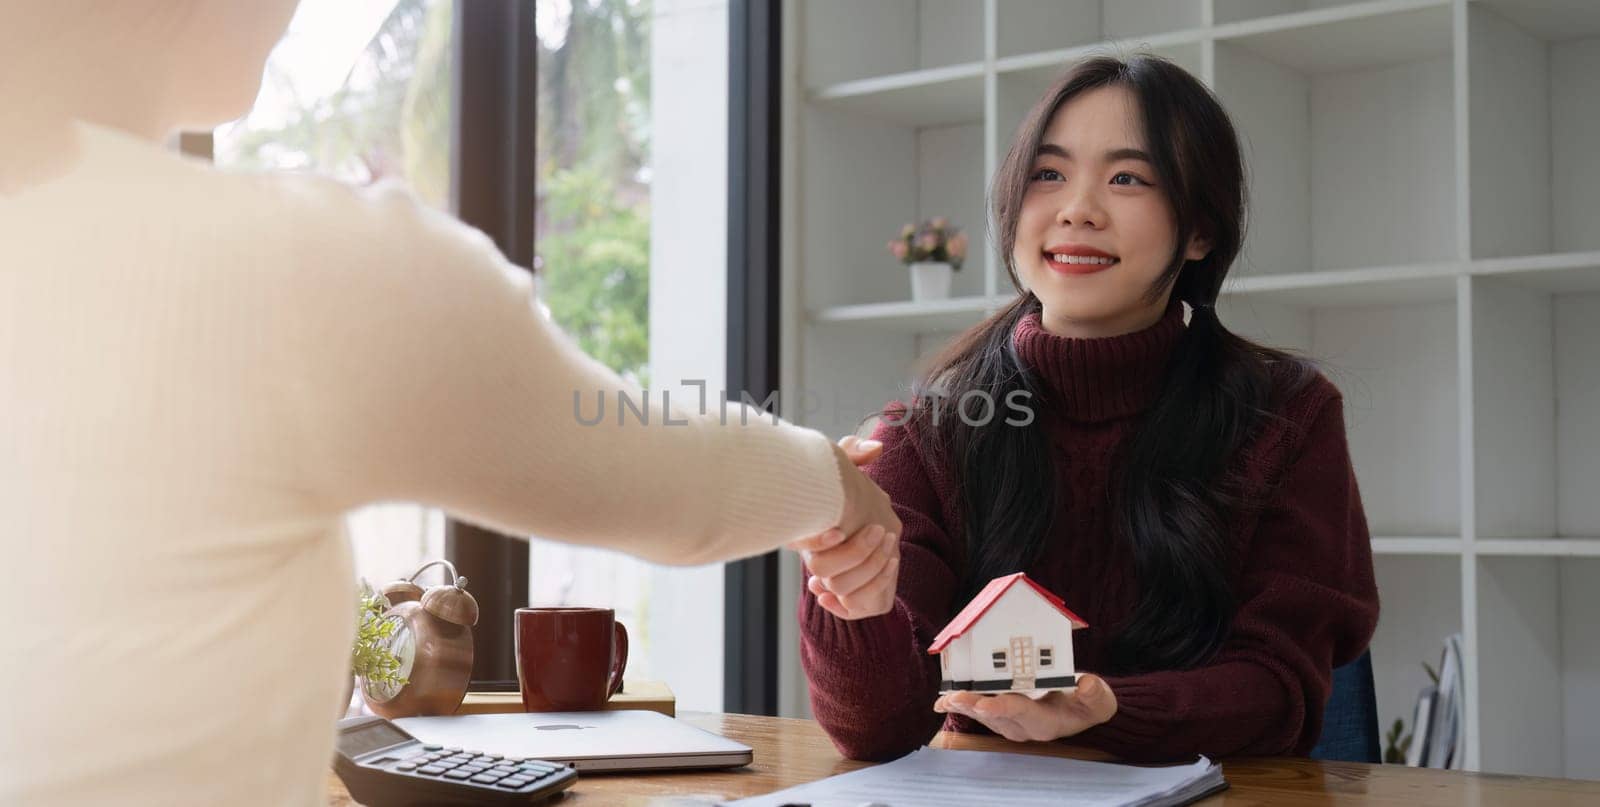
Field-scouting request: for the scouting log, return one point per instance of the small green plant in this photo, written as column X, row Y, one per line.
column 1397, row 742
column 370, row 657
column 1395, row 745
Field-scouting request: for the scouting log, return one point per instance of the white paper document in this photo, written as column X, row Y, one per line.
column 934, row 777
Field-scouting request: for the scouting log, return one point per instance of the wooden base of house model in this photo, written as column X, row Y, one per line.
column 1015, row 636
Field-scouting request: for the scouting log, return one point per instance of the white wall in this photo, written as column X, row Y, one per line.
column 688, row 293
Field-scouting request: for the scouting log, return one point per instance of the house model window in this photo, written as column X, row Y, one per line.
column 1028, row 631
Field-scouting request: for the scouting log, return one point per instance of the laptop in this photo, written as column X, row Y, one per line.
column 623, row 740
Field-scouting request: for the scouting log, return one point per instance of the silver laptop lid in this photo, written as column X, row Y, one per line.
column 612, row 740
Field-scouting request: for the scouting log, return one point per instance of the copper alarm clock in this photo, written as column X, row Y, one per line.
column 432, row 640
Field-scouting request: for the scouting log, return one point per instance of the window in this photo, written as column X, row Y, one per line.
column 1047, row 657
column 999, row 659
column 360, row 91
column 629, row 171
column 592, row 255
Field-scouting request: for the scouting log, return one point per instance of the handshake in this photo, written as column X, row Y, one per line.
column 853, row 568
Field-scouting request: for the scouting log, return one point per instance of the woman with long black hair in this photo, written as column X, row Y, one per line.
column 1187, row 492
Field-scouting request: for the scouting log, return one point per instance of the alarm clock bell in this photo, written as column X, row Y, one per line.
column 433, row 642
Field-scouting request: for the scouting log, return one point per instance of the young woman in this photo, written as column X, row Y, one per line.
column 1187, row 492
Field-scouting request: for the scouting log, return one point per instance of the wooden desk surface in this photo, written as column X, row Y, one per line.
column 791, row 752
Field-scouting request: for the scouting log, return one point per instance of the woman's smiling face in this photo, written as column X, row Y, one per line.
column 1095, row 230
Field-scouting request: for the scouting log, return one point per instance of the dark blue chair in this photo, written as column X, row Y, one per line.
column 1350, row 721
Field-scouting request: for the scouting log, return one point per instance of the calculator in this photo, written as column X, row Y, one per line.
column 384, row 766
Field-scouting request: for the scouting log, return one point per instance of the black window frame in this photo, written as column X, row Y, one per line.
column 493, row 109
column 750, row 587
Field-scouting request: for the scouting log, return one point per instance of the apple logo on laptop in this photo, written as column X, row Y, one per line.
column 561, row 727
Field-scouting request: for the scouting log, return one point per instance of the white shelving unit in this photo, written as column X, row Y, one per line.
column 1425, row 223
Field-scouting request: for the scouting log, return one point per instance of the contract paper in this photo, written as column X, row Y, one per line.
column 934, row 777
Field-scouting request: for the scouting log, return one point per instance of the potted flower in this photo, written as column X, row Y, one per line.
column 370, row 656
column 934, row 251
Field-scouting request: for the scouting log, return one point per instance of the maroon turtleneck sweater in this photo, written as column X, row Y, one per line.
column 1302, row 572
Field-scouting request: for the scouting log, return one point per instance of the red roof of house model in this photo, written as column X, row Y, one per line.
column 990, row 594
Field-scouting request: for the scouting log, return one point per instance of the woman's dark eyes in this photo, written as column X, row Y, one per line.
column 1122, row 177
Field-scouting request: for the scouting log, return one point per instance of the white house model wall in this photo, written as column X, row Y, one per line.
column 1020, row 642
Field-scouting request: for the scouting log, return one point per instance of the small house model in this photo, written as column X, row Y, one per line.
column 1015, row 636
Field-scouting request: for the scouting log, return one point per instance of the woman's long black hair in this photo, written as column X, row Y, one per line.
column 1170, row 490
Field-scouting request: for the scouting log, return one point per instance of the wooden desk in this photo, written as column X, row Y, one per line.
column 791, row 752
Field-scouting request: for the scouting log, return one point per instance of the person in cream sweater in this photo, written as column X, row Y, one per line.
column 201, row 372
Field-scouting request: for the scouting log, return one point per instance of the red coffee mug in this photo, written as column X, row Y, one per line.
column 569, row 659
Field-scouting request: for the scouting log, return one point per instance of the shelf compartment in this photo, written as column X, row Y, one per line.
column 1033, row 26
column 867, row 178
column 1551, row 20
column 1351, row 161
column 1355, row 36
column 847, row 377
column 1421, row 607
column 846, row 40
column 1396, row 366
column 1539, row 656
column 1533, row 119
column 1536, row 405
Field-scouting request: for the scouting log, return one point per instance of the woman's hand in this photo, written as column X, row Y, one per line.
column 1020, row 718
column 854, row 577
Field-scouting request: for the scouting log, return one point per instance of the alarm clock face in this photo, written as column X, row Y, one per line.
column 403, row 644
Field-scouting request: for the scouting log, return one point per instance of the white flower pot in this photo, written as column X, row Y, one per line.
column 930, row 280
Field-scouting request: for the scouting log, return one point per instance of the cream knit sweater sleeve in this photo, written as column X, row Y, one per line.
column 431, row 375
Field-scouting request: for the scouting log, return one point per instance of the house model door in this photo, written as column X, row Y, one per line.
column 1022, row 672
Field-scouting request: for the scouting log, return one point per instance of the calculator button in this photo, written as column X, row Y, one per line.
column 433, row 748
column 486, row 778
column 537, row 766
column 431, row 770
column 474, row 769
column 513, row 782
column 457, row 774
column 406, row 766
column 503, row 770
